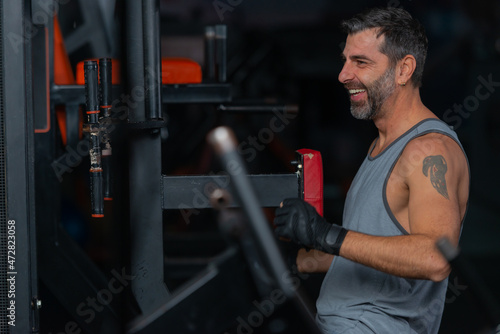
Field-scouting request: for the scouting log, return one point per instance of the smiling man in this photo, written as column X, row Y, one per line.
column 412, row 189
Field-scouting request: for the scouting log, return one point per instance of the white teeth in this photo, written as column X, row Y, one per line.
column 356, row 91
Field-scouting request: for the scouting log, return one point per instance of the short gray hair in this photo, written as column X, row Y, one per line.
column 404, row 35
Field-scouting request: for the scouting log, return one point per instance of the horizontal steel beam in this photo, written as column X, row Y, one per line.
column 188, row 93
column 193, row 191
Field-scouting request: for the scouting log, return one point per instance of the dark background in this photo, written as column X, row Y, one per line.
column 289, row 51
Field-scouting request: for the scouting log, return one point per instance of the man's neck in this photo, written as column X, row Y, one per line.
column 399, row 113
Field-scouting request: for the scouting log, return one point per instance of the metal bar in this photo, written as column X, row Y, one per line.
column 105, row 77
column 152, row 59
column 134, row 60
column 192, row 309
column 196, row 93
column 190, row 93
column 221, row 56
column 186, row 192
column 224, row 143
column 210, row 52
column 284, row 108
column 72, row 124
column 146, row 218
column 17, row 225
column 92, row 110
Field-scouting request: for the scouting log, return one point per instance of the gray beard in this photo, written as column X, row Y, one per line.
column 377, row 93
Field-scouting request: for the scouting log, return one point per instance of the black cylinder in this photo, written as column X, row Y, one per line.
column 91, row 86
column 96, row 194
column 105, row 82
column 152, row 58
column 221, row 45
column 133, row 61
column 107, row 178
column 210, row 52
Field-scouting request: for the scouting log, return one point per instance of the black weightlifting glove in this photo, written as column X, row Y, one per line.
column 299, row 221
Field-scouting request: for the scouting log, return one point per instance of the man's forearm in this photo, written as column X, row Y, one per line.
column 313, row 261
column 410, row 256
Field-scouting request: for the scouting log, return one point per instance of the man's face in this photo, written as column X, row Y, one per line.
column 367, row 74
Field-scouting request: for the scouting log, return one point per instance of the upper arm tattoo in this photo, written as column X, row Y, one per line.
column 435, row 166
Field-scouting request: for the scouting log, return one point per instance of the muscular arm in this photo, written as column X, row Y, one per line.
column 411, row 256
column 435, row 206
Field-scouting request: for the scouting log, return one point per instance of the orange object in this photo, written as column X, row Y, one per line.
column 173, row 71
column 61, row 121
column 180, row 71
column 47, row 85
column 63, row 74
column 115, row 71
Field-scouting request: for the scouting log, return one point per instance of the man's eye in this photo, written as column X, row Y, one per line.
column 360, row 62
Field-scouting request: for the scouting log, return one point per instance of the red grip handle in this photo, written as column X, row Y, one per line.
column 312, row 178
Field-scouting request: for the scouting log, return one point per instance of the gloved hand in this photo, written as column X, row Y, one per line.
column 300, row 222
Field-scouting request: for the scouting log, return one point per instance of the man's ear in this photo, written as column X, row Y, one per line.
column 405, row 69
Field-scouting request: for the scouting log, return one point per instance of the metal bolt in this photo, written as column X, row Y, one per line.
column 36, row 303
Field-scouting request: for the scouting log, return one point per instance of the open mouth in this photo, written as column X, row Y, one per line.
column 357, row 94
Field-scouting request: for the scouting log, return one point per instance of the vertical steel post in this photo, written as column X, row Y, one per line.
column 148, row 284
column 18, row 247
column 152, row 58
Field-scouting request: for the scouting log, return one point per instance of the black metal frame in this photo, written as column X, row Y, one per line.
column 193, row 191
column 191, row 308
column 17, row 134
column 170, row 94
column 148, row 286
column 63, row 267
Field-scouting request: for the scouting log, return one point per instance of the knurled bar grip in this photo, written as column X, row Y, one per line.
column 92, row 110
column 105, row 86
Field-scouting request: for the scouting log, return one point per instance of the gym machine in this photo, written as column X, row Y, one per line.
column 239, row 289
column 66, row 272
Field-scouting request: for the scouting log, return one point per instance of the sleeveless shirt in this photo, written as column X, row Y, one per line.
column 357, row 299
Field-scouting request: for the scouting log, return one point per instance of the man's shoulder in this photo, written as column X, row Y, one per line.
column 434, row 147
column 432, row 143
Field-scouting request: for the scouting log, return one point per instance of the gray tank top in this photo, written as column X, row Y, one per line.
column 358, row 299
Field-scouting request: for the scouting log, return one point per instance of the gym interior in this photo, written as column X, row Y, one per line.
column 119, row 120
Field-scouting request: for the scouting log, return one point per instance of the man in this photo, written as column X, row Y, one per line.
column 387, row 276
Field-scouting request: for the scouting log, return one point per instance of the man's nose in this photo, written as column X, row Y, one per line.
column 345, row 74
